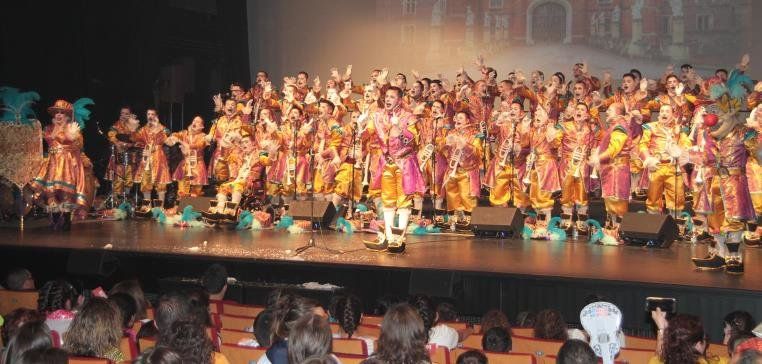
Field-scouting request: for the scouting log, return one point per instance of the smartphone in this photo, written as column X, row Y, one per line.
column 667, row 304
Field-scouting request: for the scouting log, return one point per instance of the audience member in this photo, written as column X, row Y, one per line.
column 288, row 310
column 30, row 336
column 495, row 318
column 159, row 355
column 15, row 319
column 172, row 306
column 262, row 330
column 57, row 301
column 19, row 279
column 348, row 313
column 497, row 339
column 403, row 337
column 447, row 312
column 198, row 300
column 576, row 352
column 215, row 282
column 737, row 322
column 438, row 333
column 309, row 337
column 525, row 319
column 681, row 339
column 190, row 341
column 550, row 324
column 45, row 356
column 737, row 340
column 95, row 331
column 472, row 357
column 127, row 312
column 132, row 288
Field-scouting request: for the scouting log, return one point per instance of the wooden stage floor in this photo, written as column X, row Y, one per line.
column 509, row 257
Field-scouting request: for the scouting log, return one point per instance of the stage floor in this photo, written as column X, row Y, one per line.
column 513, row 257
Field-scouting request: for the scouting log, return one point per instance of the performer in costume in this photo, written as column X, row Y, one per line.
column 395, row 130
column 61, row 182
column 664, row 150
column 462, row 147
column 246, row 169
column 506, row 171
column 153, row 171
column 230, row 121
column 190, row 174
column 329, row 150
column 124, row 158
column 542, row 167
column 578, row 137
column 754, row 175
column 434, row 126
column 612, row 161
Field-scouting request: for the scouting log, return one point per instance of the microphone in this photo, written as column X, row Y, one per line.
column 98, row 126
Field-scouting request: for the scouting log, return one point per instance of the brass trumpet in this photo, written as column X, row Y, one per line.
column 428, row 151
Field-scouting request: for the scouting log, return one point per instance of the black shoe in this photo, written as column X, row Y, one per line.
column 710, row 262
column 144, row 211
column 751, row 238
column 463, row 226
column 734, row 266
column 397, row 245
column 56, row 221
column 704, row 237
column 66, row 223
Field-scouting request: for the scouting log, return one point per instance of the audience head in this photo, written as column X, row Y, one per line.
column 57, row 295
column 288, row 310
column 576, row 352
column 127, row 308
column 44, row 355
column 425, row 310
column 525, row 319
column 446, row 312
column 550, row 324
column 172, row 307
column 403, row 337
column 348, row 312
column 159, row 355
column 383, row 304
column 737, row 339
column 132, row 288
column 15, row 319
column 262, row 327
column 309, row 337
column 19, row 279
column 737, row 322
column 684, row 340
column 497, row 339
column 190, row 341
column 215, row 281
column 30, row 336
column 472, row 357
column 198, row 303
column 95, row 330
column 495, row 318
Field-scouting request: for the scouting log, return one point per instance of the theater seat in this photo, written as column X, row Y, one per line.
column 368, row 331
column 230, row 336
column 11, row 300
column 350, row 346
column 85, row 360
column 635, row 355
column 145, row 343
column 241, row 354
column 236, row 309
column 522, row 331
column 637, row 342
column 350, row 359
column 438, row 354
column 473, row 341
column 371, row 320
column 537, row 347
column 129, row 348
column 499, row 358
column 235, row 322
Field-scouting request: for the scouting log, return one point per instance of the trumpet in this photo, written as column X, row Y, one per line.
column 290, row 169
column 191, row 161
column 427, row 152
column 147, row 157
column 577, row 156
column 504, row 152
column 366, row 170
column 529, row 166
column 700, row 176
column 455, row 158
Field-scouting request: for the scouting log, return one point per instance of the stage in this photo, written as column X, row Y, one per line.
column 480, row 273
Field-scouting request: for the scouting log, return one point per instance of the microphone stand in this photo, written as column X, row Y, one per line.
column 512, row 157
column 434, row 185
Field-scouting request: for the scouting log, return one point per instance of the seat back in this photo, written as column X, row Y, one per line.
column 234, row 322
column 368, row 331
column 150, row 312
column 230, row 336
column 537, row 347
column 350, row 359
column 439, row 354
column 457, row 325
column 522, row 331
column 638, row 342
column 371, row 320
column 499, row 358
column 242, row 354
column 350, row 346
column 129, row 348
column 11, row 300
column 86, row 360
column 236, row 309
column 145, row 343
column 634, row 356
column 473, row 341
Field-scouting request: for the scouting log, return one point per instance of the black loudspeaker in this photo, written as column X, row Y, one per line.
column 91, row 263
column 198, row 203
column 321, row 215
column 657, row 231
column 497, row 221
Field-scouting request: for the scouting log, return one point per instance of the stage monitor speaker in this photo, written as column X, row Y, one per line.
column 657, row 231
column 198, row 203
column 91, row 263
column 321, row 215
column 497, row 221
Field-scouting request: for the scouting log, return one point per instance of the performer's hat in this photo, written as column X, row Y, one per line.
column 61, row 106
